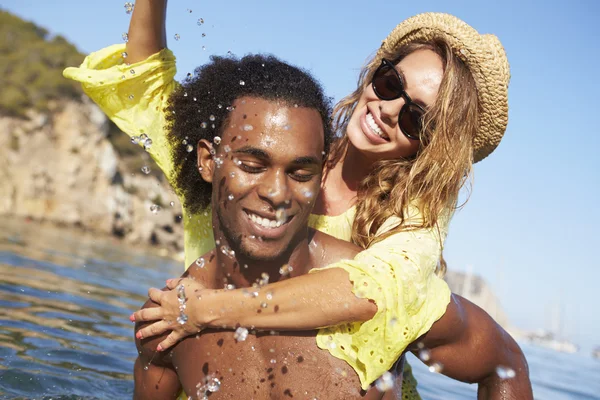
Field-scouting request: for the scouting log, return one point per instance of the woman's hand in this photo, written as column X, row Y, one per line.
column 166, row 315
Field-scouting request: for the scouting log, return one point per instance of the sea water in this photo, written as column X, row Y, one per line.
column 65, row 298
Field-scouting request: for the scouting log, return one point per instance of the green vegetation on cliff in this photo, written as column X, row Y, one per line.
column 31, row 76
column 31, row 67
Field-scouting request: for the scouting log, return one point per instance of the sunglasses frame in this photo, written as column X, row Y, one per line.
column 407, row 100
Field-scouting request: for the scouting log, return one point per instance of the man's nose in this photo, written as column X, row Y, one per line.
column 275, row 189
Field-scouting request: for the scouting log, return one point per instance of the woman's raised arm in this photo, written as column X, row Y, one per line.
column 147, row 34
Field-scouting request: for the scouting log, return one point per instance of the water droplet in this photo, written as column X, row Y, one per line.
column 287, row 128
column 200, row 262
column 269, row 295
column 232, row 175
column 286, row 270
column 281, row 215
column 213, row 384
column 176, row 37
column 135, row 139
column 436, row 367
column 125, row 37
column 203, row 47
column 185, row 94
column 264, row 279
column 189, row 10
column 131, row 97
column 145, row 368
column 219, row 106
column 226, row 148
column 237, row 161
column 172, row 203
column 200, row 21
column 505, row 372
column 425, row 355
column 242, row 83
column 212, row 117
column 154, row 208
column 230, row 197
column 189, row 148
column 147, row 144
column 132, row 72
column 227, row 251
column 240, row 334
column 182, row 319
column 128, row 8
column 385, row 382
column 203, row 125
column 124, row 54
column 204, row 35
column 217, row 140
column 308, row 193
column 146, row 169
column 247, row 127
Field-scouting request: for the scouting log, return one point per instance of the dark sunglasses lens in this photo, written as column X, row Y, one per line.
column 386, row 83
column 411, row 121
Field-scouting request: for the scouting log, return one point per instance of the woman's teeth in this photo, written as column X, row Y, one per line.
column 375, row 128
column 265, row 222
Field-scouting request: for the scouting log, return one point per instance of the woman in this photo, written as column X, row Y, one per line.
column 431, row 102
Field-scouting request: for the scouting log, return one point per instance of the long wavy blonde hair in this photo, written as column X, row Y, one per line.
column 433, row 178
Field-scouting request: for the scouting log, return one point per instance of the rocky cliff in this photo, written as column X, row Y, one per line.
column 59, row 166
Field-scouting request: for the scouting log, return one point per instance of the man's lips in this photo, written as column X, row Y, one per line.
column 268, row 226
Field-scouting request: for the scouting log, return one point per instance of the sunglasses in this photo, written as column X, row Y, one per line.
column 388, row 85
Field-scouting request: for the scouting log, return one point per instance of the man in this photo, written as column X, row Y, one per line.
column 269, row 155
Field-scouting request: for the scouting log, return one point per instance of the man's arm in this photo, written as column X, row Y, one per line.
column 470, row 345
column 147, row 34
column 154, row 375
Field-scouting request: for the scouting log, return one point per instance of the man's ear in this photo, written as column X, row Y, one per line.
column 206, row 163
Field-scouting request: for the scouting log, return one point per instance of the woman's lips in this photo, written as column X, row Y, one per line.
column 371, row 135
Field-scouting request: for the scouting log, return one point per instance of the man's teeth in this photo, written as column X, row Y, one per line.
column 374, row 127
column 265, row 222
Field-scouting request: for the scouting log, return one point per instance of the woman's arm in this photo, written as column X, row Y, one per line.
column 147, row 34
column 300, row 303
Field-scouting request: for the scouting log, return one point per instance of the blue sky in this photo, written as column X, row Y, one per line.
column 530, row 226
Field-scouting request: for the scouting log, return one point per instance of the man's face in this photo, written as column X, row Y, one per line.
column 264, row 189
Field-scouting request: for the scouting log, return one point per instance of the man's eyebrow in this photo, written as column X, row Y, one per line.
column 417, row 101
column 307, row 160
column 253, row 151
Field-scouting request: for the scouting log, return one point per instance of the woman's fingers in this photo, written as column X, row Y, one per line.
column 173, row 283
column 156, row 295
column 147, row 314
column 155, row 329
column 171, row 340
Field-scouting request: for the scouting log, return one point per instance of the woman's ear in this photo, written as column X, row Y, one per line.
column 206, row 163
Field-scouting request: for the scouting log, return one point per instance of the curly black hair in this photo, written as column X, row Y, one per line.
column 199, row 109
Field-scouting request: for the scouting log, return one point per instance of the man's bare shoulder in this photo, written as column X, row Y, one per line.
column 327, row 249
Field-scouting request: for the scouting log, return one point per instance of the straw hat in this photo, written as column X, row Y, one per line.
column 483, row 55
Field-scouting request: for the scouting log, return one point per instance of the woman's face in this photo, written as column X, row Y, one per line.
column 373, row 128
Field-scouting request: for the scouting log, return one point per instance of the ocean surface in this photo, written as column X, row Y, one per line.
column 64, row 334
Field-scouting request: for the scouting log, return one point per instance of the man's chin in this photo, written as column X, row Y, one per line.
column 260, row 253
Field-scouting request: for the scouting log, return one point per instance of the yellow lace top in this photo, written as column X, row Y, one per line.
column 397, row 272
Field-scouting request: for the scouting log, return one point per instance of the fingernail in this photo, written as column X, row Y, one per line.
column 132, row 317
column 169, row 281
column 159, row 348
column 138, row 334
